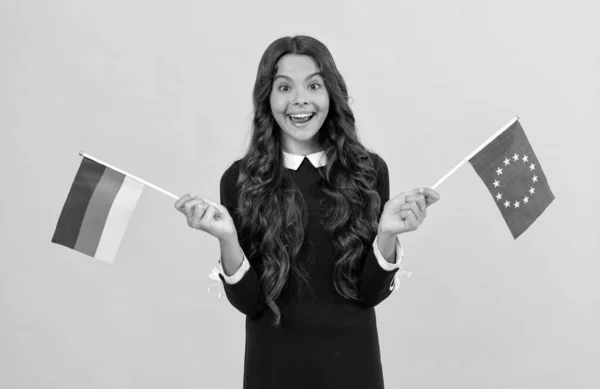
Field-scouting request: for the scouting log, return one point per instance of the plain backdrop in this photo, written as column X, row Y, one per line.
column 163, row 90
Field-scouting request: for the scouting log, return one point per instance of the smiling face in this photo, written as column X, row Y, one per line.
column 299, row 103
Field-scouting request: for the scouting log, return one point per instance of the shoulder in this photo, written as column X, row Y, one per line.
column 230, row 176
column 232, row 171
column 382, row 175
column 378, row 163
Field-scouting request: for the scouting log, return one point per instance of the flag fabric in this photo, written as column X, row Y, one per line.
column 512, row 173
column 97, row 210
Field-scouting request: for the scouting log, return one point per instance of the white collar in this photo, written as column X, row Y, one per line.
column 293, row 161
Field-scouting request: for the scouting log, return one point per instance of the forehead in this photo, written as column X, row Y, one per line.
column 296, row 66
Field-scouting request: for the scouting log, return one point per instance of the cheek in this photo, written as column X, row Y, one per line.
column 324, row 104
column 272, row 103
column 278, row 103
column 322, row 101
column 277, row 110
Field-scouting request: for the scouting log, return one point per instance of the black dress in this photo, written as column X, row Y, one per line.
column 324, row 341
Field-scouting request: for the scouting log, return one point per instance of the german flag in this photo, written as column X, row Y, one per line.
column 97, row 210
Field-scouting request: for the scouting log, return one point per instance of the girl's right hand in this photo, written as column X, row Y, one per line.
column 206, row 215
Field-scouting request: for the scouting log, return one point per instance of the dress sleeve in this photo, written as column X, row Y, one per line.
column 381, row 260
column 237, row 276
column 241, row 288
column 378, row 278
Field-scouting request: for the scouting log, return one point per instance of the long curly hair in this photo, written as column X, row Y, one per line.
column 271, row 208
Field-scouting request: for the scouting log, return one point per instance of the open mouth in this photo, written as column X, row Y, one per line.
column 301, row 118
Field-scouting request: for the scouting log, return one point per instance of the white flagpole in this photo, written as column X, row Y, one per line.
column 481, row 146
column 130, row 175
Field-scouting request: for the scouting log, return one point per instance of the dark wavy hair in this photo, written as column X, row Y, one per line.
column 272, row 209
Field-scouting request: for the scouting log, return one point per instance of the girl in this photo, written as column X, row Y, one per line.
column 308, row 234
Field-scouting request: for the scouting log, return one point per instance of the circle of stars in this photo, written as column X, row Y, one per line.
column 507, row 161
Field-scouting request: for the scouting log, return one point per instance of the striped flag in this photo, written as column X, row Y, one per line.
column 97, row 210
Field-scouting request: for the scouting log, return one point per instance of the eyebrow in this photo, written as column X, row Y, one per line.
column 307, row 77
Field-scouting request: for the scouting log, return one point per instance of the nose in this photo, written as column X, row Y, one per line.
column 300, row 102
column 300, row 99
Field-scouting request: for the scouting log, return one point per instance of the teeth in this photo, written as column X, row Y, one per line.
column 302, row 115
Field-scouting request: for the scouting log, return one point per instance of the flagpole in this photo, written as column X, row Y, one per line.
column 481, row 146
column 130, row 175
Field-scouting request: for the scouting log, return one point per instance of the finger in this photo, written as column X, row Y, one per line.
column 408, row 207
column 403, row 195
column 431, row 196
column 421, row 204
column 203, row 219
column 419, row 215
column 414, row 197
column 411, row 223
column 209, row 215
column 198, row 210
column 404, row 213
column 190, row 205
column 215, row 204
column 405, row 207
column 419, row 199
column 179, row 203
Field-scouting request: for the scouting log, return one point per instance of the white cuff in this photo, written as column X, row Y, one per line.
column 234, row 278
column 385, row 265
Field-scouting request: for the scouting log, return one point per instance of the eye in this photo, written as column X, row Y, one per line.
column 314, row 86
column 283, row 88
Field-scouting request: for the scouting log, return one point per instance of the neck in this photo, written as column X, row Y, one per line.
column 302, row 149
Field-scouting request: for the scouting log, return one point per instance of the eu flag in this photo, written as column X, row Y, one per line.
column 512, row 173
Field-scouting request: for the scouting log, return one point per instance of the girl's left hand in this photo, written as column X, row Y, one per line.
column 407, row 211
